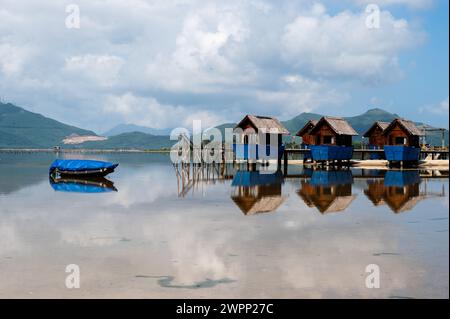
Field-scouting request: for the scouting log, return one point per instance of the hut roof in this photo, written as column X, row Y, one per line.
column 250, row 205
column 307, row 127
column 264, row 124
column 326, row 205
column 382, row 125
column 409, row 126
column 403, row 206
column 337, row 124
column 339, row 204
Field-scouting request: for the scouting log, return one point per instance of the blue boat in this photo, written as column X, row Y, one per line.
column 82, row 168
column 398, row 153
column 80, row 185
column 331, row 152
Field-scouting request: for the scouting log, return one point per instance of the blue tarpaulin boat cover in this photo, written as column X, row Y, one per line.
column 80, row 165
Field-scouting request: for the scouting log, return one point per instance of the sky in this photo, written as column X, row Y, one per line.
column 163, row 64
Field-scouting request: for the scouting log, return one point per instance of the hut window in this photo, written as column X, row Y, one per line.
column 245, row 139
column 328, row 140
column 400, row 140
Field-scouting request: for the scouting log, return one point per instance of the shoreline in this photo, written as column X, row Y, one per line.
column 365, row 164
column 81, row 150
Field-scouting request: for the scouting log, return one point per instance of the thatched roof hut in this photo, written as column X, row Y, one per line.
column 377, row 125
column 333, row 131
column 402, row 132
column 261, row 124
column 304, row 132
column 375, row 134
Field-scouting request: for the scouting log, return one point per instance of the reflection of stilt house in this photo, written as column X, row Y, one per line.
column 259, row 137
column 401, row 199
column 256, row 193
column 328, row 191
column 332, row 139
column 400, row 190
column 375, row 191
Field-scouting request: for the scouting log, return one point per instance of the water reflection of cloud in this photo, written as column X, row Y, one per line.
column 145, row 229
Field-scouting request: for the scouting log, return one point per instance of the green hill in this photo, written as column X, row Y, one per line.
column 295, row 124
column 23, row 129
column 133, row 140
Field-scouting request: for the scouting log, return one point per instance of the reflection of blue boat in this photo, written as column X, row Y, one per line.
column 327, row 178
column 401, row 153
column 331, row 152
column 401, row 178
column 246, row 178
column 81, row 167
column 78, row 185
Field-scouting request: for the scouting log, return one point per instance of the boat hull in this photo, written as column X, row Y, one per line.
column 82, row 168
column 88, row 173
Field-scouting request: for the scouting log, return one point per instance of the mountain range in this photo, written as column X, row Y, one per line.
column 130, row 128
column 20, row 128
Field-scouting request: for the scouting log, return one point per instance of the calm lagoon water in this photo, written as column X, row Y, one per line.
column 154, row 232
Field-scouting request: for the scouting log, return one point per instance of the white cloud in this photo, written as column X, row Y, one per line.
column 147, row 111
column 218, row 60
column 207, row 52
column 342, row 45
column 300, row 94
column 12, row 59
column 103, row 69
column 440, row 109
